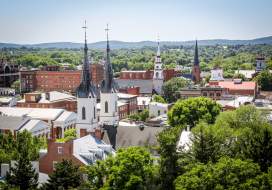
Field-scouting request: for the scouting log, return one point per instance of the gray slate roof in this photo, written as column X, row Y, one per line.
column 12, row 123
column 146, row 86
column 133, row 136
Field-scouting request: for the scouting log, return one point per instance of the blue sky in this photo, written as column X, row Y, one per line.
column 35, row 21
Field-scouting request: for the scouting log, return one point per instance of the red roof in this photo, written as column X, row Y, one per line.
column 245, row 85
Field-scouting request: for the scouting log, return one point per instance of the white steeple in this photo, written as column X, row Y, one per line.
column 86, row 97
column 158, row 72
column 108, row 95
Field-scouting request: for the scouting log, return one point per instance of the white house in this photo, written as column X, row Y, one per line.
column 156, row 109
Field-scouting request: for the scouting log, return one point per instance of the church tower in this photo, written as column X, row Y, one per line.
column 86, row 97
column 108, row 95
column 158, row 72
column 196, row 68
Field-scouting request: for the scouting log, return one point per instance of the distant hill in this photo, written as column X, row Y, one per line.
column 121, row 44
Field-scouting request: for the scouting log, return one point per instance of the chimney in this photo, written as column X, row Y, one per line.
column 47, row 96
column 83, row 132
column 98, row 133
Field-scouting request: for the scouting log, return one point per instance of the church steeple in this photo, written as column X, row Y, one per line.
column 85, row 88
column 158, row 49
column 158, row 77
column 108, row 83
column 158, row 56
column 196, row 59
column 196, row 69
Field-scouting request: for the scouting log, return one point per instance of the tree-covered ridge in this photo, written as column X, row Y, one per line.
column 229, row 58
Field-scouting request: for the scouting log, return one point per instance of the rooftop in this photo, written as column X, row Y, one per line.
column 146, row 86
column 35, row 113
column 88, row 149
column 54, row 96
column 11, row 122
column 124, row 95
column 245, row 85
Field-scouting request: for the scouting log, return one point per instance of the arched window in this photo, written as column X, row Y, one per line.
column 157, row 74
column 106, row 107
column 116, row 106
column 83, row 113
column 94, row 112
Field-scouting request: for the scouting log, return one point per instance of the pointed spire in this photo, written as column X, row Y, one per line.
column 85, row 88
column 158, row 50
column 107, row 85
column 196, row 59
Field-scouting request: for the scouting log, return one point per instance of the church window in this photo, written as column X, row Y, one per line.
column 157, row 74
column 159, row 112
column 83, row 113
column 116, row 106
column 106, row 107
column 94, row 112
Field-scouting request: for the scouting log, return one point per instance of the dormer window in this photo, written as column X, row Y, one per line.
column 106, row 107
column 83, row 113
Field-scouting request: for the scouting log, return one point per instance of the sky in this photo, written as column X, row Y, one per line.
column 40, row 21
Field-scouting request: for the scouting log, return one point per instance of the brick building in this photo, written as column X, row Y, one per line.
column 50, row 79
column 213, row 92
column 238, row 87
column 146, row 75
column 51, row 99
column 134, row 90
column 83, row 151
column 9, row 72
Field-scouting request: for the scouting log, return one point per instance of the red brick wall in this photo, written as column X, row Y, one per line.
column 123, row 111
column 131, row 90
column 196, row 73
column 46, row 162
column 167, row 73
column 65, row 104
column 58, row 80
column 242, row 92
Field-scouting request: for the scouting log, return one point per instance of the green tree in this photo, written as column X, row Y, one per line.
column 158, row 98
column 23, row 175
column 130, row 169
column 142, row 116
column 69, row 134
column 65, row 176
column 170, row 88
column 256, row 144
column 252, row 132
column 192, row 110
column 16, row 86
column 264, row 79
column 239, row 76
column 210, row 143
column 227, row 173
column 168, row 139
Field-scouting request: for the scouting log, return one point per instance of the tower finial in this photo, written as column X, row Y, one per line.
column 107, row 33
column 158, row 50
column 107, row 85
column 85, row 30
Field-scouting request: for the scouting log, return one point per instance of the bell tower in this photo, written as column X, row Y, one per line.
column 108, row 95
column 158, row 72
column 196, row 68
column 86, row 97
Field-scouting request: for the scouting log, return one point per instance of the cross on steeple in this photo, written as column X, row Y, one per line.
column 107, row 31
column 108, row 81
column 85, row 30
column 85, row 88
